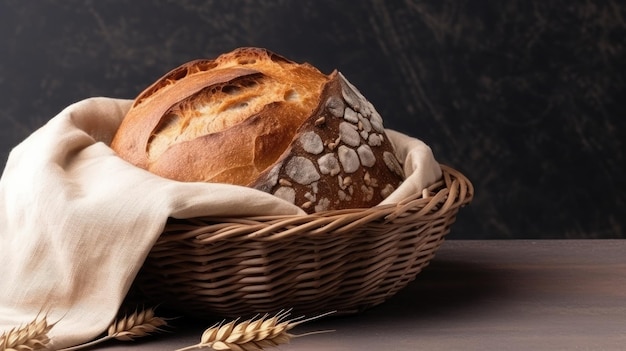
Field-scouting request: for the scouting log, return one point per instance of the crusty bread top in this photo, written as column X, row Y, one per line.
column 222, row 120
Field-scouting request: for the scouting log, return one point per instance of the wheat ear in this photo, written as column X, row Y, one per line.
column 29, row 337
column 138, row 324
column 251, row 335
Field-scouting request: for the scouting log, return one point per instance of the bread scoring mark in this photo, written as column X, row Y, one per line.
column 246, row 61
column 214, row 95
column 231, row 89
column 235, row 106
column 212, row 109
column 174, row 76
column 169, row 120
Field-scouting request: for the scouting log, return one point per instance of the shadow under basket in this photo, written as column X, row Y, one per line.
column 344, row 261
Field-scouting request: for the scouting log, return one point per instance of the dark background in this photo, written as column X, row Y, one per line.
column 525, row 97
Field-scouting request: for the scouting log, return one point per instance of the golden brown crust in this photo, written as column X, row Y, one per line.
column 142, row 120
column 251, row 117
column 164, row 126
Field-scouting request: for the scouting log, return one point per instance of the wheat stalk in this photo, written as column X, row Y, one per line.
column 29, row 337
column 136, row 325
column 251, row 335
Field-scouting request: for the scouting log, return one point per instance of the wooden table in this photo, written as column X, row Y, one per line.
column 480, row 295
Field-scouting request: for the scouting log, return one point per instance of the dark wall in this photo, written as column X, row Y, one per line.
column 524, row 97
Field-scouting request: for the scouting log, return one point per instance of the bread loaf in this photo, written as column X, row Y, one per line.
column 251, row 117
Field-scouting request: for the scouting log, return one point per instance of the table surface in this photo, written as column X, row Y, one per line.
column 477, row 295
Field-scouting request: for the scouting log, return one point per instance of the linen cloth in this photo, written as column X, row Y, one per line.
column 77, row 221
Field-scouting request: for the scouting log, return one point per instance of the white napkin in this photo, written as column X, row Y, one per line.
column 77, row 222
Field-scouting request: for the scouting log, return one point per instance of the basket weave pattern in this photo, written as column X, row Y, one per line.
column 346, row 260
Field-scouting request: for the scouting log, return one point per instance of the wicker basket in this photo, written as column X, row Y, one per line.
column 346, row 260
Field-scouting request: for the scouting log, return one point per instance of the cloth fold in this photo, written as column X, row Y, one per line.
column 77, row 221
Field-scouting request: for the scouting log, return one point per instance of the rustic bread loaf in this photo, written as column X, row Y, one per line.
column 251, row 117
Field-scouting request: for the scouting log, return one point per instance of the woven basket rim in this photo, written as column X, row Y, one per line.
column 451, row 191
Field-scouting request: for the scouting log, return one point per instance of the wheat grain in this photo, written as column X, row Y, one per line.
column 251, row 335
column 29, row 337
column 138, row 324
